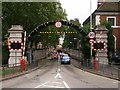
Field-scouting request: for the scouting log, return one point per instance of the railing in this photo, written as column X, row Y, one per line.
column 111, row 70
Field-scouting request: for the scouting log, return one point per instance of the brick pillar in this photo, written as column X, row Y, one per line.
column 102, row 54
column 15, row 45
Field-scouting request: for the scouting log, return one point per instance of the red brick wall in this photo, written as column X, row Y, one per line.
column 102, row 19
column 118, row 20
column 116, row 31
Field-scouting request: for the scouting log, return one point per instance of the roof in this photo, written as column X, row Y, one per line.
column 109, row 6
column 105, row 7
column 108, row 0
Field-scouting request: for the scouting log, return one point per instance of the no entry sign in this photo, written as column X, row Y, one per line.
column 58, row 24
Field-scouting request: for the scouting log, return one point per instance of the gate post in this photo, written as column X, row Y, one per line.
column 101, row 35
column 15, row 45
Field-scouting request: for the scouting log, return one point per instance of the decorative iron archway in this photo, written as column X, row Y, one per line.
column 63, row 22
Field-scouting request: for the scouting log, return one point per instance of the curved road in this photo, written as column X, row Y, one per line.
column 54, row 75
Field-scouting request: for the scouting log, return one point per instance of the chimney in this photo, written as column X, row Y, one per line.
column 100, row 2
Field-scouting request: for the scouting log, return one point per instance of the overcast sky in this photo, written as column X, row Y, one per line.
column 78, row 8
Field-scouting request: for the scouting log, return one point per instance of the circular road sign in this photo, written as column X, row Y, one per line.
column 58, row 24
column 91, row 41
column 91, row 35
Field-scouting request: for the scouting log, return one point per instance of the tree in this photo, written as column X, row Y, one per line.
column 30, row 15
column 71, row 40
column 85, row 46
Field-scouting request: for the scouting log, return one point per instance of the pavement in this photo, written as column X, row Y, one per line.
column 112, row 72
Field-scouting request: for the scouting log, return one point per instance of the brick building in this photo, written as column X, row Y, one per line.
column 108, row 11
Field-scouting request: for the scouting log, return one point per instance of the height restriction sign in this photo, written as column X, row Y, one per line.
column 91, row 35
column 58, row 24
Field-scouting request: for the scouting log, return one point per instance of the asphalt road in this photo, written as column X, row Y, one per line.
column 55, row 75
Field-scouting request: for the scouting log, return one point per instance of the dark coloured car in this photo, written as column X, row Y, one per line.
column 116, row 59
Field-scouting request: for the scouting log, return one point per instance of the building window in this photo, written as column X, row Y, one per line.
column 112, row 20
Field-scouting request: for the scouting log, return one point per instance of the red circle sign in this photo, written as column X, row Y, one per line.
column 91, row 35
column 58, row 24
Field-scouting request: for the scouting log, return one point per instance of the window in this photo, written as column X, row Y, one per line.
column 112, row 20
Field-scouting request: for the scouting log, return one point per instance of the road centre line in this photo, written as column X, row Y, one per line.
column 53, row 86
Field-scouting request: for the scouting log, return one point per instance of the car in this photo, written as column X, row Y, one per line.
column 65, row 59
column 116, row 59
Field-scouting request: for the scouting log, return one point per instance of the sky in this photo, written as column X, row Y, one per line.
column 78, row 8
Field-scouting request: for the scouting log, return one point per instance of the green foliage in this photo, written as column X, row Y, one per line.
column 72, row 39
column 30, row 15
column 86, row 28
column 85, row 46
column 5, row 54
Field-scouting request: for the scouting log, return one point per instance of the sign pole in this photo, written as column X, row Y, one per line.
column 91, row 29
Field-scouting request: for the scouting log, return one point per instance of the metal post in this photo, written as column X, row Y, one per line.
column 90, row 15
column 91, row 28
column 115, row 43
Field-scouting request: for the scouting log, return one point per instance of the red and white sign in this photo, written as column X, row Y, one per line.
column 91, row 41
column 58, row 24
column 91, row 35
column 99, row 42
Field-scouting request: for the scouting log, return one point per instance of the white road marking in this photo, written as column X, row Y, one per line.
column 66, row 85
column 116, row 82
column 57, row 82
column 53, row 86
column 41, row 84
column 58, row 70
column 58, row 75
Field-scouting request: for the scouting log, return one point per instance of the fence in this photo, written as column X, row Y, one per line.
column 35, row 58
column 109, row 70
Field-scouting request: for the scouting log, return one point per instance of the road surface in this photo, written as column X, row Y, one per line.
column 55, row 75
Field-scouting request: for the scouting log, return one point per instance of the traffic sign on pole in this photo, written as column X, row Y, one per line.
column 91, row 35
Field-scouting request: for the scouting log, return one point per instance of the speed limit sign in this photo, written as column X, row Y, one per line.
column 91, row 35
column 58, row 24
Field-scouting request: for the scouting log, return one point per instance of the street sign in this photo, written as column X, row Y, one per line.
column 91, row 35
column 58, row 24
column 91, row 41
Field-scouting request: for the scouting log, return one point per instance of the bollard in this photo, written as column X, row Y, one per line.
column 96, row 64
column 23, row 65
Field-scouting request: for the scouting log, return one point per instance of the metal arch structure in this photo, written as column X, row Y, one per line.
column 36, row 30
